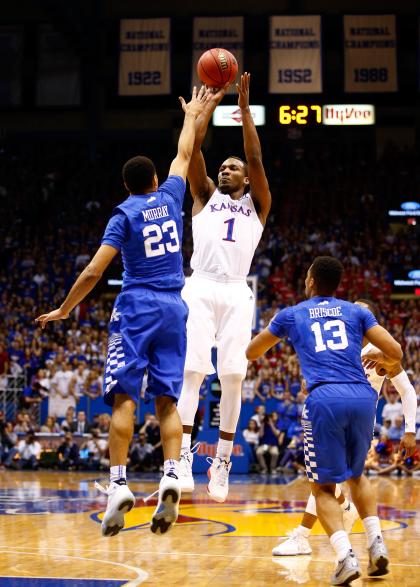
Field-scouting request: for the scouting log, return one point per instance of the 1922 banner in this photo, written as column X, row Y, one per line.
column 295, row 55
column 225, row 32
column 145, row 59
column 370, row 53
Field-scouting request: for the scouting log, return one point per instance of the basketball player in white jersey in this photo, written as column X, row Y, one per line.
column 376, row 368
column 228, row 221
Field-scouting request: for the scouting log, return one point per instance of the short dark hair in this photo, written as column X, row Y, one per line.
column 138, row 173
column 372, row 307
column 244, row 163
column 327, row 273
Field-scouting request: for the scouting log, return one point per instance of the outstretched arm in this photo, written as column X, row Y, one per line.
column 379, row 337
column 186, row 139
column 83, row 285
column 203, row 186
column 399, row 378
column 260, row 344
column 260, row 190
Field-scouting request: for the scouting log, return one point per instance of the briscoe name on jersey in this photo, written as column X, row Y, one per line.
column 374, row 379
column 226, row 233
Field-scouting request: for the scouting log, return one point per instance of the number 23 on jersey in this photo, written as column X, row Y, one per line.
column 155, row 243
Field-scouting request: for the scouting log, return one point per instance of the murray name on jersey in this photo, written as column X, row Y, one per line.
column 155, row 213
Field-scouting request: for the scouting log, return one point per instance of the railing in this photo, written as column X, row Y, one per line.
column 11, row 389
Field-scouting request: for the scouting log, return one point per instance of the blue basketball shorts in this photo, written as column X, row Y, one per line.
column 338, row 421
column 147, row 330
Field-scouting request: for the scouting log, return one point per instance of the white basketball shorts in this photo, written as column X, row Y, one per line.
column 220, row 315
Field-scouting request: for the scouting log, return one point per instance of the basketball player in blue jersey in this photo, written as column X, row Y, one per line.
column 148, row 323
column 376, row 367
column 228, row 221
column 339, row 413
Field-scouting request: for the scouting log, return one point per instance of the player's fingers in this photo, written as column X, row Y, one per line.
column 44, row 322
column 194, row 92
column 183, row 103
column 207, row 97
column 201, row 92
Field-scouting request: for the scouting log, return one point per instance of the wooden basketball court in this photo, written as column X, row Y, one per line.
column 50, row 535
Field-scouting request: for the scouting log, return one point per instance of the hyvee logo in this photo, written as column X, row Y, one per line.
column 347, row 114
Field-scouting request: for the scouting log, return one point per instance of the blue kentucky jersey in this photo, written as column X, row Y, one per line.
column 147, row 229
column 327, row 335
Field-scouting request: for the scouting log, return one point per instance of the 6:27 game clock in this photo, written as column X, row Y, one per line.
column 300, row 114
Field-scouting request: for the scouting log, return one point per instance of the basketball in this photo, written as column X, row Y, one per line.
column 217, row 67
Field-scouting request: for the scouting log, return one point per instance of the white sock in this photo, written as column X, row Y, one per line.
column 311, row 505
column 224, row 449
column 372, row 528
column 117, row 472
column 188, row 401
column 171, row 467
column 303, row 531
column 341, row 544
column 230, row 402
column 186, row 442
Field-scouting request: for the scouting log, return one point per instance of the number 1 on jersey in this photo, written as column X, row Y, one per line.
column 229, row 235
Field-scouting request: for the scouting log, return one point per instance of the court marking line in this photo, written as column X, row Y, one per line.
column 63, row 578
column 152, row 552
column 141, row 575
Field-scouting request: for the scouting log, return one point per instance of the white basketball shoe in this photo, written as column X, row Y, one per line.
column 218, row 474
column 120, row 501
column 166, row 512
column 294, row 545
column 186, row 479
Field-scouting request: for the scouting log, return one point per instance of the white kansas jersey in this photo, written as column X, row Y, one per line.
column 374, row 379
column 226, row 233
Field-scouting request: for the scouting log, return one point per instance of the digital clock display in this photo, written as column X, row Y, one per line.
column 300, row 114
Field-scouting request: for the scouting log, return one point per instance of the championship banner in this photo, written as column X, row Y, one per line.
column 225, row 32
column 145, row 60
column 295, row 55
column 370, row 53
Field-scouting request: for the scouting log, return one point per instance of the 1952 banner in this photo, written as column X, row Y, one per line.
column 226, row 32
column 295, row 55
column 145, row 59
column 370, row 53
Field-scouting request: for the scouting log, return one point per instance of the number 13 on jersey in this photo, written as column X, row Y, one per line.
column 338, row 332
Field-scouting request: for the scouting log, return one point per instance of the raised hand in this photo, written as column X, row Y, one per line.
column 217, row 94
column 54, row 315
column 243, row 91
column 198, row 101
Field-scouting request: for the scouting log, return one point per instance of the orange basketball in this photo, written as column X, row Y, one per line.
column 217, row 67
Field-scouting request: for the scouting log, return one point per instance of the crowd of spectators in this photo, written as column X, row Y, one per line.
column 57, row 208
column 79, row 444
